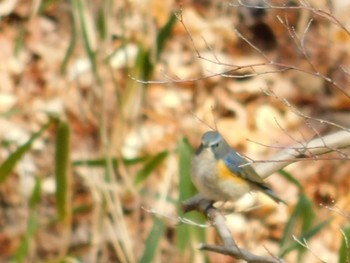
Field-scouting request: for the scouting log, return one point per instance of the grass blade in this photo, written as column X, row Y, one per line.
column 164, row 34
column 36, row 195
column 186, row 187
column 102, row 20
column 291, row 179
column 149, row 167
column 145, row 57
column 86, row 37
column 32, row 226
column 344, row 250
column 186, row 233
column 61, row 171
column 7, row 166
column 71, row 46
column 296, row 217
column 103, row 162
column 152, row 241
column 304, row 237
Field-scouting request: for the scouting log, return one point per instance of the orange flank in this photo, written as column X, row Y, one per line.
column 226, row 173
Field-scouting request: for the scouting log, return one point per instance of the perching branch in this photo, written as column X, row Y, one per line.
column 229, row 246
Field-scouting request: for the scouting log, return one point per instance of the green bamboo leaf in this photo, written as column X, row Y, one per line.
column 307, row 220
column 101, row 21
column 305, row 237
column 149, row 167
column 32, row 225
column 344, row 250
column 102, row 162
column 308, row 213
column 71, row 45
column 144, row 59
column 36, row 194
column 152, row 241
column 185, row 234
column 186, row 187
column 291, row 179
column 144, row 65
column 186, row 190
column 88, row 48
column 22, row 251
column 61, row 170
column 7, row 166
column 164, row 35
column 299, row 214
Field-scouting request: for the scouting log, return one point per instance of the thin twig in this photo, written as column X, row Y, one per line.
column 306, row 245
column 317, row 146
column 229, row 246
column 316, row 11
column 178, row 220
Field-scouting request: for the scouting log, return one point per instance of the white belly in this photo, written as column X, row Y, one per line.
column 205, row 178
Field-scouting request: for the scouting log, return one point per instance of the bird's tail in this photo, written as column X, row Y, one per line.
column 268, row 191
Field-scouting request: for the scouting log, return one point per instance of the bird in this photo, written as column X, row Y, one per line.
column 221, row 174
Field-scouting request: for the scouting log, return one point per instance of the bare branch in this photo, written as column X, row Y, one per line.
column 241, row 253
column 258, row 50
column 336, row 209
column 280, row 67
column 318, row 146
column 269, row 92
column 304, row 6
column 229, row 246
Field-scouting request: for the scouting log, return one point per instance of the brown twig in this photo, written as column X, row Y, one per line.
column 316, row 11
column 229, row 246
column 241, row 254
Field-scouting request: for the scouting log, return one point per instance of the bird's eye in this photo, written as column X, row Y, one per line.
column 215, row 145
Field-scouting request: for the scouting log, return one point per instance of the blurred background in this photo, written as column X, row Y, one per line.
column 102, row 104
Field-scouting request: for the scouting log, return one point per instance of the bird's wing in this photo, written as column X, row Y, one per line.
column 233, row 162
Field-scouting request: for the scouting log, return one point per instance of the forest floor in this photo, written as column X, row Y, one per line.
column 127, row 88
